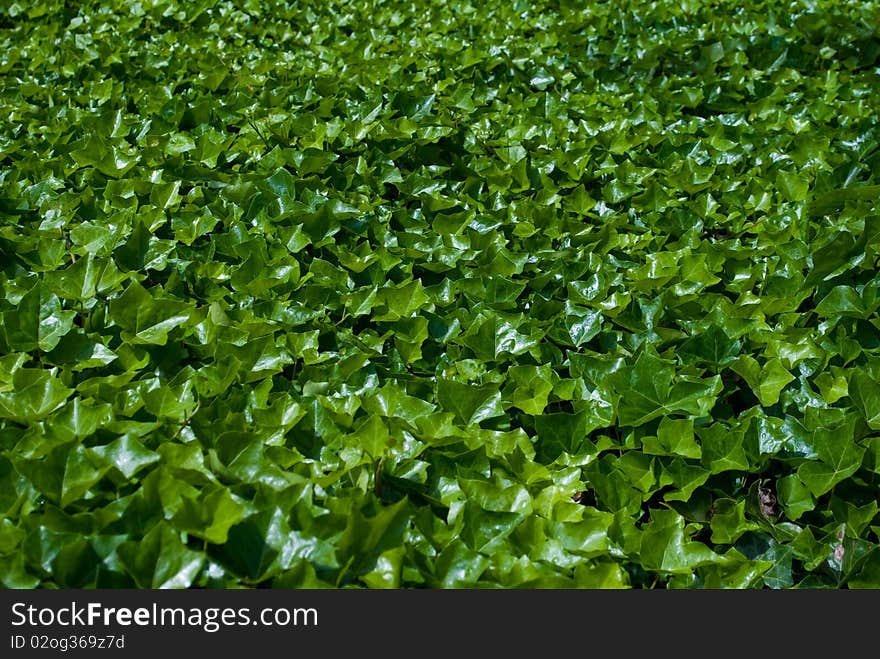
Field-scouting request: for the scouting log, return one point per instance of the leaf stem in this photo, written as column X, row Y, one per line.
column 186, row 421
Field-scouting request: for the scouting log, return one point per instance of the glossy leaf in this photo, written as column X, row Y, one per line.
column 439, row 295
column 160, row 559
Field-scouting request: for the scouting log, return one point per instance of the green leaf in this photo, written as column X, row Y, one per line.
column 779, row 575
column 80, row 474
column 839, row 458
column 470, row 403
column 36, row 393
column 174, row 401
column 398, row 302
column 613, row 488
column 388, row 310
column 484, row 529
column 666, row 548
column 794, row 496
column 835, row 199
column 366, row 537
column 587, row 537
column 674, row 437
column 372, row 436
column 832, row 387
column 729, row 521
column 254, row 545
column 712, row 347
column 560, row 433
column 533, row 385
column 38, row 321
column 494, row 337
column 145, row 318
column 458, row 567
column 160, row 559
column 843, row 300
column 808, row 549
column 582, row 324
column 723, row 448
column 84, row 279
column 211, row 516
column 76, row 565
column 774, row 378
column 686, row 478
column 650, row 389
column 14, row 574
column 865, row 391
column 855, row 517
column 79, row 352
column 127, row 455
column 112, row 160
column 792, row 186
column 868, row 576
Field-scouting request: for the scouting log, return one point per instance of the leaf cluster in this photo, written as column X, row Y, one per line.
column 439, row 294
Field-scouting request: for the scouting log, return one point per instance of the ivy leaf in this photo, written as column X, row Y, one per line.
column 111, row 160
column 126, row 454
column 367, row 536
column 38, row 322
column 36, row 393
column 766, row 381
column 210, row 516
column 865, row 391
column 792, row 186
column 146, row 319
column 470, row 403
column 686, row 478
column 723, row 448
column 795, row 497
column 494, row 337
column 256, row 545
column 729, row 521
column 839, row 458
column 371, row 436
column 160, row 559
column 558, row 433
column 650, row 389
column 80, row 474
column 398, row 312
column 674, row 437
column 582, row 324
column 666, row 548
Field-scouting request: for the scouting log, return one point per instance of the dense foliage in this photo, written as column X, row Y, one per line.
column 439, row 294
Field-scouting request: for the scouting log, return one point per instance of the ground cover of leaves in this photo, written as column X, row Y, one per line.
column 439, row 294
